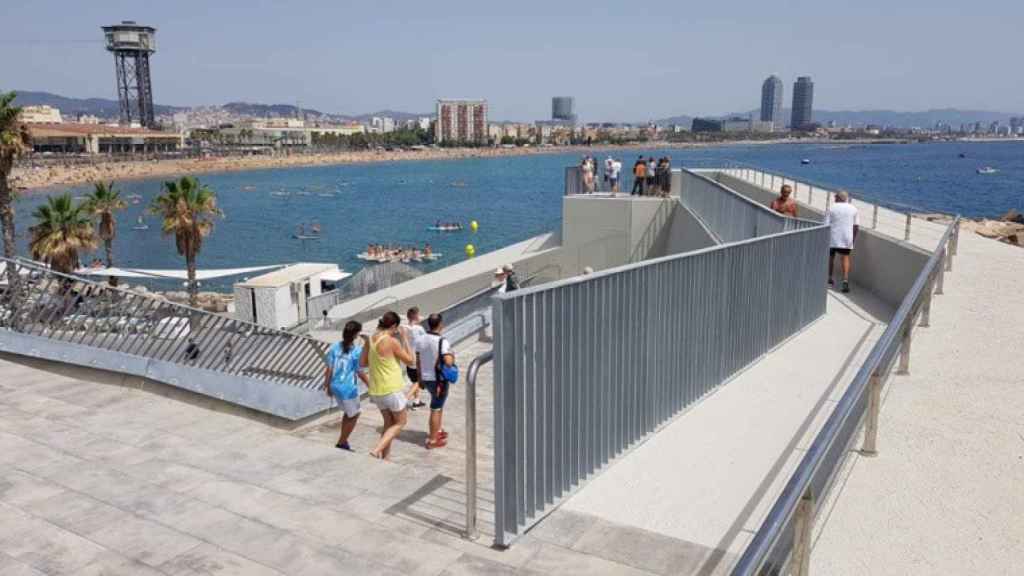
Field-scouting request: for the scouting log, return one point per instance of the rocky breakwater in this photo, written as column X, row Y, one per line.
column 206, row 301
column 1008, row 228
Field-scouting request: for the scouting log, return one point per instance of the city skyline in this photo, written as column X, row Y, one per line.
column 772, row 94
column 223, row 50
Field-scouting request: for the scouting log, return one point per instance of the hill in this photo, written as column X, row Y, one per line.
column 101, row 107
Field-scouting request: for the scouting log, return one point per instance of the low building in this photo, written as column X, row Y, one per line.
column 40, row 115
column 73, row 138
column 706, row 125
column 278, row 299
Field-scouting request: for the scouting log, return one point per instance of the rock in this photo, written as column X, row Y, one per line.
column 1013, row 216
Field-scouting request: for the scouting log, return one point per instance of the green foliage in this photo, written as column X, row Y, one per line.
column 62, row 230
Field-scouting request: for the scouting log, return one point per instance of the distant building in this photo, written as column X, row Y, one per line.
column 40, row 115
column 736, row 124
column 771, row 102
column 706, row 125
column 424, row 122
column 461, row 122
column 1016, row 125
column 69, row 138
column 563, row 109
column 803, row 104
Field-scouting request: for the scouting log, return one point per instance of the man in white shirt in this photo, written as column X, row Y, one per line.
column 616, row 170
column 415, row 332
column 842, row 219
column 428, row 347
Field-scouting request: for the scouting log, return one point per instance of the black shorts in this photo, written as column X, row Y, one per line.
column 843, row 251
column 438, row 393
column 413, row 374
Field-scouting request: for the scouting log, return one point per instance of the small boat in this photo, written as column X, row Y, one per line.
column 248, row 188
column 134, row 198
column 458, row 184
column 987, row 170
column 326, row 194
column 306, row 236
column 281, row 194
column 805, row 161
column 962, row 155
column 140, row 224
column 446, row 228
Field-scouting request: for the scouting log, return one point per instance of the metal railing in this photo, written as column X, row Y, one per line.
column 896, row 217
column 471, row 489
column 586, row 367
column 733, row 217
column 72, row 310
column 783, row 539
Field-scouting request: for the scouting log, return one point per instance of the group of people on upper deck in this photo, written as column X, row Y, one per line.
column 650, row 177
column 843, row 222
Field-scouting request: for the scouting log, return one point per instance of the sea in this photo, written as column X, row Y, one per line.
column 513, row 198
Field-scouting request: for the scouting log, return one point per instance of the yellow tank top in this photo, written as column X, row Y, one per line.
column 385, row 373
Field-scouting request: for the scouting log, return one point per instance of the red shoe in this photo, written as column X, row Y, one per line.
column 442, row 434
column 440, row 443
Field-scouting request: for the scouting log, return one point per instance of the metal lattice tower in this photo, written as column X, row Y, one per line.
column 132, row 44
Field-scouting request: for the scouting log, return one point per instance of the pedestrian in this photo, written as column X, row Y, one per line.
column 499, row 280
column 343, row 359
column 785, row 204
column 588, row 175
column 844, row 226
column 609, row 164
column 650, row 173
column 616, row 172
column 511, row 281
column 382, row 354
column 666, row 179
column 228, row 353
column 433, row 350
column 192, row 350
column 639, row 175
column 412, row 317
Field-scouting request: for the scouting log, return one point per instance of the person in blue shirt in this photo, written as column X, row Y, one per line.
column 340, row 377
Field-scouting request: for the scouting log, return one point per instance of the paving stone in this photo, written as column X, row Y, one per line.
column 11, row 567
column 77, row 512
column 143, row 540
column 563, row 527
column 551, row 559
column 113, row 564
column 642, row 549
column 45, row 547
column 20, row 488
column 209, row 560
column 469, row 565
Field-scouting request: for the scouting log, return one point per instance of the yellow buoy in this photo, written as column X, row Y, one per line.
column 473, row 225
column 470, row 250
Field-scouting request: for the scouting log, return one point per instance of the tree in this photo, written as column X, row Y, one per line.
column 14, row 141
column 188, row 209
column 61, row 232
column 101, row 204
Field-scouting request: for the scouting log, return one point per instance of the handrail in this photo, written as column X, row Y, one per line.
column 875, row 368
column 474, row 368
column 855, row 193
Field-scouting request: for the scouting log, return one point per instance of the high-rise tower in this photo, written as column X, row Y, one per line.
column 803, row 104
column 562, row 109
column 132, row 44
column 771, row 102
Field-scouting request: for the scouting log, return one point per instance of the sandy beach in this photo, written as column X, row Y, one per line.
column 27, row 177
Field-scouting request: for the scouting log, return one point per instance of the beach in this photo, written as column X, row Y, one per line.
column 99, row 169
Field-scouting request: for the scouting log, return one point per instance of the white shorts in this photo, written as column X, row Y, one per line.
column 350, row 406
column 394, row 402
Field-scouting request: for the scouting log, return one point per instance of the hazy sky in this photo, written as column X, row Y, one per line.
column 621, row 60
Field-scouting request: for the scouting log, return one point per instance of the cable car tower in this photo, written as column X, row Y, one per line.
column 132, row 44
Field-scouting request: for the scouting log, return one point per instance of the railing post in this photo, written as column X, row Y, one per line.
column 471, row 509
column 939, row 281
column 870, row 447
column 874, row 217
column 949, row 250
column 802, row 527
column 906, row 231
column 828, row 202
column 926, row 307
column 956, row 235
column 810, row 195
column 904, row 367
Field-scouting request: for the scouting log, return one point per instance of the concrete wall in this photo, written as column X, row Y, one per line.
column 602, row 231
column 685, row 232
column 883, row 265
column 540, row 255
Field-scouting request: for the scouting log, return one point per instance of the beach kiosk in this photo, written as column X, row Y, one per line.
column 278, row 299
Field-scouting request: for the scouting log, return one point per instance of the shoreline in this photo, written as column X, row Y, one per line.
column 34, row 179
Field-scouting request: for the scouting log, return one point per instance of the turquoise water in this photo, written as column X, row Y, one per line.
column 515, row 198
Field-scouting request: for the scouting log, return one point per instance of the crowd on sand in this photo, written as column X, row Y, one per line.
column 53, row 173
column 404, row 366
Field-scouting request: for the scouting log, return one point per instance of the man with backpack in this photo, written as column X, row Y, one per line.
column 437, row 373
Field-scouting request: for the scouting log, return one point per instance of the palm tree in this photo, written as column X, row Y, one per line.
column 188, row 209
column 61, row 232
column 14, row 141
column 101, row 204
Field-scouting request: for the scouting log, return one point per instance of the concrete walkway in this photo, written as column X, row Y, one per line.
column 98, row 476
column 709, row 477
column 945, row 495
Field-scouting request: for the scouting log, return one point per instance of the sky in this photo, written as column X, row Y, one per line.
column 622, row 61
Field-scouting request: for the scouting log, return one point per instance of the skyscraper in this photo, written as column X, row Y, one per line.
column 803, row 104
column 771, row 102
column 562, row 109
